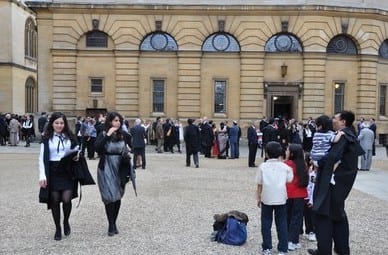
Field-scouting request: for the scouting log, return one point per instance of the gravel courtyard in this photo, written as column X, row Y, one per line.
column 173, row 213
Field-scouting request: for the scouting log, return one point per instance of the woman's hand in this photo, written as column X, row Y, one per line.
column 43, row 183
column 111, row 131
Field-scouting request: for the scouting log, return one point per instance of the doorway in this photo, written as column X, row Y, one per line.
column 282, row 99
column 283, row 106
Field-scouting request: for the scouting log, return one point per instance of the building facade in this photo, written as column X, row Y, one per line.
column 236, row 61
column 18, row 58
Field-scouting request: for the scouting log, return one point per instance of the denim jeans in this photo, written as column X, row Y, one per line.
column 281, row 226
column 295, row 208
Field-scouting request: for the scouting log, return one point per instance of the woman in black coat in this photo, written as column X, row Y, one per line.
column 56, row 183
column 192, row 139
column 112, row 147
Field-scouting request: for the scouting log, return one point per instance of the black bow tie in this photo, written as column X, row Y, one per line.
column 60, row 141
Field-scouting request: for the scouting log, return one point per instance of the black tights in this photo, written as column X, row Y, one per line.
column 112, row 211
column 63, row 196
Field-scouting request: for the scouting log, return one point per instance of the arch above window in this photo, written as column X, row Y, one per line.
column 220, row 42
column 96, row 39
column 383, row 51
column 158, row 41
column 342, row 44
column 283, row 42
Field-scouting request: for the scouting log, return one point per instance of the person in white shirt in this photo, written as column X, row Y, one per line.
column 55, row 182
column 271, row 194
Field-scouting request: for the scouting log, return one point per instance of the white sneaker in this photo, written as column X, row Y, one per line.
column 266, row 252
column 282, row 253
column 293, row 246
column 311, row 237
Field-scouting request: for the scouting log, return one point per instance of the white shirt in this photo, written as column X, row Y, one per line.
column 273, row 176
column 57, row 150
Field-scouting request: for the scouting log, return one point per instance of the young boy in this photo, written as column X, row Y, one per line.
column 271, row 195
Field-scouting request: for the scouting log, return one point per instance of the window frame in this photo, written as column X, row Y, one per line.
column 96, row 93
column 342, row 85
column 154, row 105
column 31, row 95
column 104, row 43
column 383, row 99
column 30, row 39
column 225, row 102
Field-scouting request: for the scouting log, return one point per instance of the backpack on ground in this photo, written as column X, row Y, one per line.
column 231, row 228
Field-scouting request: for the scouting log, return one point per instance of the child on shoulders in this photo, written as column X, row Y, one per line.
column 322, row 141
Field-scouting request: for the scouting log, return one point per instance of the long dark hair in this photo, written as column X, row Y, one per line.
column 108, row 123
column 49, row 132
column 297, row 156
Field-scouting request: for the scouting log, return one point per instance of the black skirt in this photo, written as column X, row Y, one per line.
column 59, row 179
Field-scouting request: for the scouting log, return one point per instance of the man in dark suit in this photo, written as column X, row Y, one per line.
column 192, row 139
column 138, row 134
column 329, row 200
column 252, row 143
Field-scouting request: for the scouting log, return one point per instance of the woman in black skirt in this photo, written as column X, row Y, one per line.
column 56, row 184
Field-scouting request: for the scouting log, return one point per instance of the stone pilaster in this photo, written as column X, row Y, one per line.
column 252, row 104
column 189, row 84
column 313, row 96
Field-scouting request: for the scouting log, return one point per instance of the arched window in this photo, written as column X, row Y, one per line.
column 96, row 39
column 31, row 96
column 30, row 38
column 283, row 42
column 342, row 44
column 221, row 42
column 158, row 41
column 383, row 51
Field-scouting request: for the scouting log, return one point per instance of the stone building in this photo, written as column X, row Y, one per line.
column 18, row 58
column 227, row 60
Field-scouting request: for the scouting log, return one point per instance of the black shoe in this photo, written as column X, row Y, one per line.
column 196, row 165
column 115, row 229
column 66, row 229
column 58, row 235
column 111, row 231
column 253, row 166
column 312, row 252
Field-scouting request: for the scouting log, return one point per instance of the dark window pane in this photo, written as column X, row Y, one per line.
column 383, row 51
column 96, row 39
column 383, row 98
column 158, row 96
column 220, row 97
column 96, row 85
column 341, row 44
column 339, row 97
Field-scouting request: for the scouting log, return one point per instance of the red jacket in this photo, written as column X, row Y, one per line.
column 293, row 189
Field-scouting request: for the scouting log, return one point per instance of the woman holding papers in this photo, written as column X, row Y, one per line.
column 56, row 183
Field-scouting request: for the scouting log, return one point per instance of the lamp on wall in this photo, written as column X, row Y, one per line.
column 283, row 70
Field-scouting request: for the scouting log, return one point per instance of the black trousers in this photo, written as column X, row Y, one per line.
column 328, row 230
column 139, row 152
column 252, row 154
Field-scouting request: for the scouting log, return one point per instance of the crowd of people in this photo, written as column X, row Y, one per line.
column 309, row 181
column 308, row 170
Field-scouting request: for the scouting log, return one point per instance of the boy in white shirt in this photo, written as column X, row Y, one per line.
column 271, row 194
